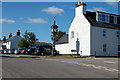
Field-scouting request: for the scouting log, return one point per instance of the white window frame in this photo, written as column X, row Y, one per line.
column 107, row 18
column 100, row 18
column 115, row 19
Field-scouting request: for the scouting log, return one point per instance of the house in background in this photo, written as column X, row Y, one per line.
column 11, row 42
column 92, row 33
column 1, row 42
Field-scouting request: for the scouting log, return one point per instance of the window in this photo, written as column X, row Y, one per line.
column 115, row 19
column 104, row 33
column 72, row 34
column 103, row 18
column 117, row 34
column 107, row 18
column 104, row 48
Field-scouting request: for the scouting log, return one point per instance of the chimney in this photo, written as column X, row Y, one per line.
column 18, row 32
column 10, row 35
column 79, row 2
column 4, row 39
column 81, row 7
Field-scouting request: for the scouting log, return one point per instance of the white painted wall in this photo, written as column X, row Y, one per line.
column 63, row 48
column 1, row 45
column 81, row 28
column 90, row 38
column 8, row 45
column 14, row 42
column 98, row 40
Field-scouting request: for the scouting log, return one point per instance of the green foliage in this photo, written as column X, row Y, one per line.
column 59, row 35
column 23, row 44
column 29, row 39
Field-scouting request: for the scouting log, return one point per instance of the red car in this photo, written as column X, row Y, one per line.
column 23, row 51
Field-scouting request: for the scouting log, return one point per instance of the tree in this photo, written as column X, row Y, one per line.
column 23, row 43
column 59, row 35
column 29, row 40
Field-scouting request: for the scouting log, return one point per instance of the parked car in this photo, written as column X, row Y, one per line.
column 17, row 51
column 56, row 52
column 2, row 51
column 43, row 51
column 30, row 51
column 6, row 51
column 22, row 51
column 39, row 51
column 11, row 51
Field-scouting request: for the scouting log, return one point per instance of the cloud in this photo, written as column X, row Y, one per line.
column 53, row 10
column 96, row 9
column 21, row 18
column 7, row 20
column 38, row 20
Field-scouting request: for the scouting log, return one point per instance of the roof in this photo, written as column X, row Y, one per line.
column 63, row 39
column 91, row 17
column 43, row 44
column 9, row 39
column 107, row 13
column 1, row 40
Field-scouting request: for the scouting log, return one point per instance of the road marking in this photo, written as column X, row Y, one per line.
column 109, row 62
column 87, row 65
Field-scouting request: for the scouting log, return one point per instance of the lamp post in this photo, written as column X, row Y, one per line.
column 53, row 36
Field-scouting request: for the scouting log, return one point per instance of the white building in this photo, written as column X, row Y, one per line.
column 91, row 33
column 1, row 42
column 11, row 42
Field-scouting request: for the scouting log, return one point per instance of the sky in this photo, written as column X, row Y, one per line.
column 37, row 17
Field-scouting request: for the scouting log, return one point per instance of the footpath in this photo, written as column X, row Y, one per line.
column 35, row 56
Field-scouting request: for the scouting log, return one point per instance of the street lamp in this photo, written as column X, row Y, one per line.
column 53, row 36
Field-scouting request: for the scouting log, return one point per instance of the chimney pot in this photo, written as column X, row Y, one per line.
column 10, row 35
column 18, row 33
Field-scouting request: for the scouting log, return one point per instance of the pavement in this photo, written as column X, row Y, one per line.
column 18, row 56
column 25, row 66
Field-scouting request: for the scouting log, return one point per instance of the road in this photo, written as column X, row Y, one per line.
column 15, row 67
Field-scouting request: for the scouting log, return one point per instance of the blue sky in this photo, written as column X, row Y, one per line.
column 37, row 17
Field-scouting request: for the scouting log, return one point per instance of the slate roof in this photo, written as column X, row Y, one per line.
column 91, row 17
column 9, row 39
column 63, row 39
column 1, row 40
column 43, row 44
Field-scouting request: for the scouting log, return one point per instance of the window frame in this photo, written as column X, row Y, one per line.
column 104, row 47
column 104, row 33
column 115, row 19
column 72, row 34
column 103, row 18
column 117, row 34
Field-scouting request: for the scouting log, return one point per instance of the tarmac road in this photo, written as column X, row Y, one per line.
column 16, row 67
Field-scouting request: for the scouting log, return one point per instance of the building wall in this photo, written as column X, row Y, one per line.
column 14, row 42
column 81, row 28
column 63, row 48
column 8, row 45
column 97, row 41
column 1, row 45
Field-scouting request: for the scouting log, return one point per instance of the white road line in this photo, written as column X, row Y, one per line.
column 88, row 65
column 109, row 62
